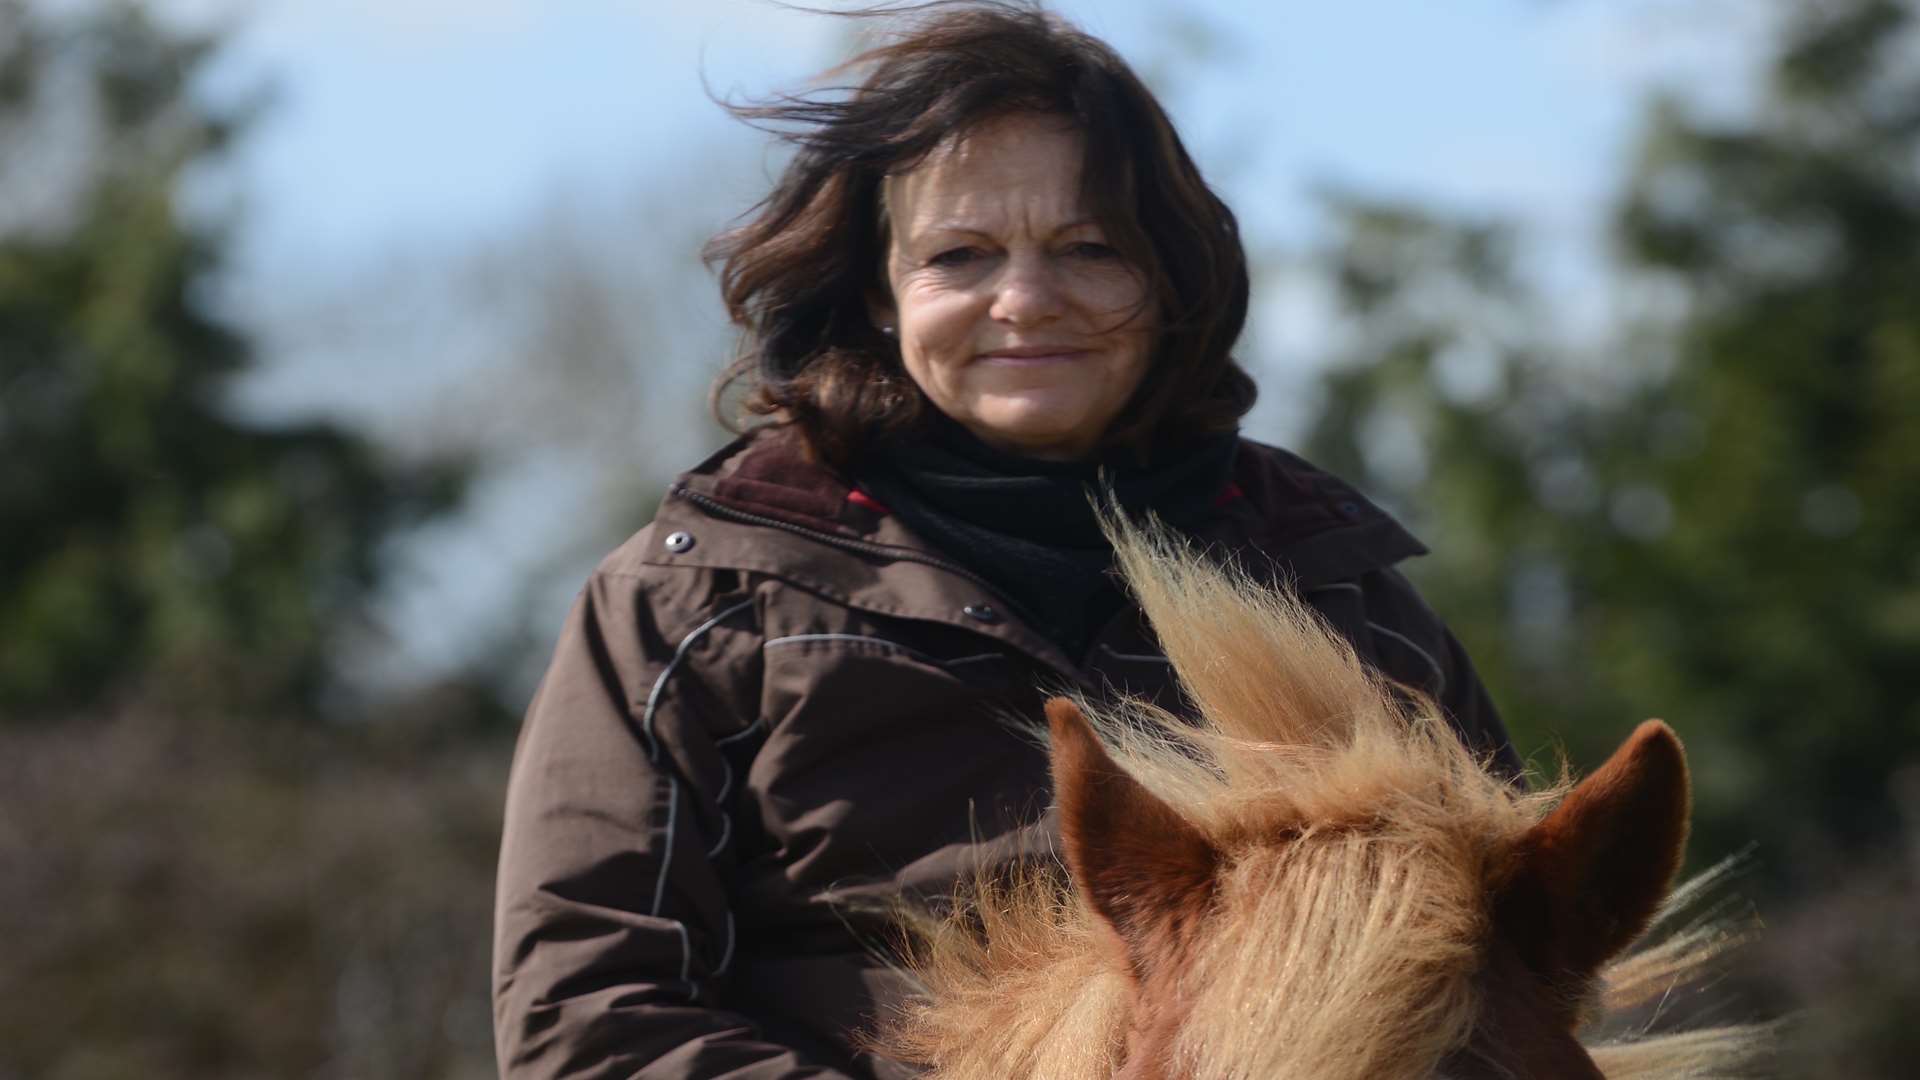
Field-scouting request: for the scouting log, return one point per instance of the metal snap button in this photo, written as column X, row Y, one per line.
column 679, row 542
column 982, row 612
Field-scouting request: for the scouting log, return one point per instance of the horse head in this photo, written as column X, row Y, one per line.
column 1568, row 895
column 1311, row 878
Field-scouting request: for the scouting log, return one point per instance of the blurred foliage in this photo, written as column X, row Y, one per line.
column 1713, row 518
column 192, row 894
column 143, row 528
column 1714, row 521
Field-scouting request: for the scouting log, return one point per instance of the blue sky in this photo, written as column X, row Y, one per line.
column 481, row 107
column 406, row 125
column 409, row 134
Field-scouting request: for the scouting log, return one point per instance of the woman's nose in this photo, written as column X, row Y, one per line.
column 1028, row 293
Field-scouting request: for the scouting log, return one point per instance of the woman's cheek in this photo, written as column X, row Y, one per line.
column 1116, row 297
column 943, row 329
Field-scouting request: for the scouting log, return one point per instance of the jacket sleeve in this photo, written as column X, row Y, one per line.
column 1429, row 656
column 612, row 928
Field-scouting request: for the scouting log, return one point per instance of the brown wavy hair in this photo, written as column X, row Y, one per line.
column 798, row 273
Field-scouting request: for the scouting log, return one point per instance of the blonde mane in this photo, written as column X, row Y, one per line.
column 1359, row 842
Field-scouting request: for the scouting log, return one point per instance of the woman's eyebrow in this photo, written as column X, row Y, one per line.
column 952, row 227
column 974, row 228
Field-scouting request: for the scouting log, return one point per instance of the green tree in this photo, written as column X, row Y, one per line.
column 1713, row 521
column 146, row 532
column 1712, row 518
column 1792, row 577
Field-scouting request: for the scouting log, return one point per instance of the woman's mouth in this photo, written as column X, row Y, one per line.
column 1034, row 354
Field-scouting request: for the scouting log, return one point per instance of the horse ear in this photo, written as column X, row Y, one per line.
column 1594, row 872
column 1140, row 864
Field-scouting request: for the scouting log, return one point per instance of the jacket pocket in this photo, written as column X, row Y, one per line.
column 1395, row 653
column 876, row 751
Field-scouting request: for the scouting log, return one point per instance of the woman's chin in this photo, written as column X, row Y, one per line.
column 1036, row 432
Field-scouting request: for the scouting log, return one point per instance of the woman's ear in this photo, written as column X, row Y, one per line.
column 880, row 307
column 881, row 310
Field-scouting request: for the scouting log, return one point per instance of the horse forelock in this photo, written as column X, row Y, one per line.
column 1292, row 731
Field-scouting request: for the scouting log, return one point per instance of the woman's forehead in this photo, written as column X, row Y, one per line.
column 1022, row 170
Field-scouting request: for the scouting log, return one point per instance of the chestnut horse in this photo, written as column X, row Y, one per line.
column 1313, row 881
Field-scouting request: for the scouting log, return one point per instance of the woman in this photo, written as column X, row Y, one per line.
column 990, row 280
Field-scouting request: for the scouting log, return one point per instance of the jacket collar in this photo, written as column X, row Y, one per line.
column 1311, row 526
column 763, row 504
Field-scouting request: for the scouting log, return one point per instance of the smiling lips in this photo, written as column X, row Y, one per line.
column 1034, row 354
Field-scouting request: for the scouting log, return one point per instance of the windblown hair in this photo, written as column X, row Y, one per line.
column 798, row 276
column 1360, row 848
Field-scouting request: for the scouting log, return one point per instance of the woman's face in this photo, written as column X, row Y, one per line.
column 1012, row 313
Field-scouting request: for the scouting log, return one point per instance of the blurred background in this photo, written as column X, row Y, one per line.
column 339, row 340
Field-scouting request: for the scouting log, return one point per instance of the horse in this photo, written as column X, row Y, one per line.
column 1312, row 879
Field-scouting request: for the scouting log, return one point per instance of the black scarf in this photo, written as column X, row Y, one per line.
column 1028, row 526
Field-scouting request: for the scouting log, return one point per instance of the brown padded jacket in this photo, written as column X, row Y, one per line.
column 774, row 709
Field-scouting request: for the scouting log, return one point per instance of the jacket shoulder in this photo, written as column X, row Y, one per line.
column 638, row 555
column 677, row 568
column 1282, row 475
column 1318, row 526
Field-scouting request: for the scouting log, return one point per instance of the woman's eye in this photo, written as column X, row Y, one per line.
column 952, row 257
column 1089, row 249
